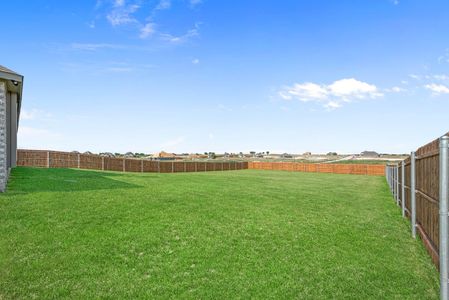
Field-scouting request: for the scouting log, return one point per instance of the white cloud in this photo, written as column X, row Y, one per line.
column 36, row 138
column 396, row 89
column 34, row 114
column 147, row 30
column 444, row 58
column 437, row 89
column 119, row 69
column 171, row 144
column 414, row 76
column 119, row 3
column 163, row 4
column 122, row 14
column 95, row 47
column 195, row 61
column 442, row 77
column 195, row 2
column 331, row 96
column 352, row 88
column 194, row 32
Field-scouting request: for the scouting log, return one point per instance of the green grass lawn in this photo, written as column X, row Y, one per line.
column 237, row 234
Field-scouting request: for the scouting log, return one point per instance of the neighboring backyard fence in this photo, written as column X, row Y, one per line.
column 420, row 187
column 357, row 169
column 56, row 159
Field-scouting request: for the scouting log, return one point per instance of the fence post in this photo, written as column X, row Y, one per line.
column 387, row 171
column 403, row 188
column 124, row 165
column 413, row 193
column 158, row 166
column 79, row 160
column 397, row 184
column 141, row 166
column 393, row 180
column 102, row 163
column 48, row 159
column 443, row 197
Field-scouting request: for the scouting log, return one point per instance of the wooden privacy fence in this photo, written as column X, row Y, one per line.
column 415, row 186
column 357, row 169
column 57, row 159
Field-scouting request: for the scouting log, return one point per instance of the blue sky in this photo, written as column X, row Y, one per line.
column 209, row 75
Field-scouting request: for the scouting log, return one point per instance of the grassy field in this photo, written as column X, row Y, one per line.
column 236, row 234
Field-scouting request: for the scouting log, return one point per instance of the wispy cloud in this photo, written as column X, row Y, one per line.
column 122, row 13
column 194, row 3
column 195, row 61
column 445, row 57
column 414, row 76
column 95, row 47
column 163, row 4
column 194, row 32
column 32, row 137
column 34, row 114
column 170, row 144
column 437, row 89
column 442, row 77
column 396, row 89
column 333, row 95
column 147, row 30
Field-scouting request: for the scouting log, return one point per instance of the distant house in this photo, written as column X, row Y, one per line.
column 369, row 154
column 307, row 153
column 286, row 155
column 129, row 154
column 11, row 85
column 164, row 156
column 107, row 154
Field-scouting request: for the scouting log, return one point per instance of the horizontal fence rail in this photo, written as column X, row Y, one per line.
column 356, row 169
column 57, row 159
column 419, row 185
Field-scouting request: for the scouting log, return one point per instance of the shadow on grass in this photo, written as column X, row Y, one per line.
column 26, row 180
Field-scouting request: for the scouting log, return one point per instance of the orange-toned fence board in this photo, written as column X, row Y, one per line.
column 358, row 169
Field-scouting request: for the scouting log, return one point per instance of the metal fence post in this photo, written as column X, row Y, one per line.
column 413, row 193
column 444, row 250
column 397, row 184
column 403, row 188
column 393, row 181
